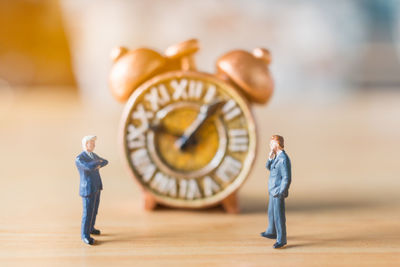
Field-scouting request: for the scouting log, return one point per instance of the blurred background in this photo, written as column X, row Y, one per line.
column 322, row 51
column 336, row 66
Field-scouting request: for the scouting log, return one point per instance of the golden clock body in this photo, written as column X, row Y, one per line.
column 218, row 160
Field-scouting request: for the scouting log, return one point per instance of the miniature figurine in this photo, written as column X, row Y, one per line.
column 278, row 186
column 88, row 164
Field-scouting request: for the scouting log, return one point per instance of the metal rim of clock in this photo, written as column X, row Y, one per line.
column 239, row 180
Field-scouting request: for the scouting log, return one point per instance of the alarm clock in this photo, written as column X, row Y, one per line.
column 189, row 137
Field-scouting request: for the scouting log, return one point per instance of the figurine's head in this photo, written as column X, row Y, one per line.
column 277, row 143
column 89, row 143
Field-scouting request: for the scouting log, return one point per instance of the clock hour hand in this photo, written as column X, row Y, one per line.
column 159, row 127
column 206, row 111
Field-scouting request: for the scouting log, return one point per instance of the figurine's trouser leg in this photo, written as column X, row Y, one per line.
column 87, row 214
column 280, row 219
column 95, row 209
column 271, row 222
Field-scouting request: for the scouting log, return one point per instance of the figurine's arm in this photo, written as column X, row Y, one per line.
column 269, row 163
column 103, row 162
column 271, row 158
column 286, row 176
column 88, row 166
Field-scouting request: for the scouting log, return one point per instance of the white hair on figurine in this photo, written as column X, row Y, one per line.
column 86, row 139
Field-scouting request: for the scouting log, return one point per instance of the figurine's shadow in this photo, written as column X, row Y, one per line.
column 131, row 235
column 353, row 238
column 253, row 205
column 308, row 244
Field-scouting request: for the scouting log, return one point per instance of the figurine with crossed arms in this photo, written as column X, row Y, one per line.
column 88, row 164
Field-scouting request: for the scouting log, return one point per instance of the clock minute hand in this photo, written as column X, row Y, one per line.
column 206, row 111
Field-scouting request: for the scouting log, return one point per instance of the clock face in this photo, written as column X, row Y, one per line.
column 189, row 138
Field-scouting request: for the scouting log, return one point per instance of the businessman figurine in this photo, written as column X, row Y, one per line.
column 278, row 186
column 88, row 164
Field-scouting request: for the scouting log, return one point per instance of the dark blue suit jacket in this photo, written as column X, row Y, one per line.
column 280, row 175
column 89, row 172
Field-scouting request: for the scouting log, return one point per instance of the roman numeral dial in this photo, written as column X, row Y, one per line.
column 189, row 138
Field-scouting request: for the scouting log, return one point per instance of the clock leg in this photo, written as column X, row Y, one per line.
column 150, row 202
column 231, row 204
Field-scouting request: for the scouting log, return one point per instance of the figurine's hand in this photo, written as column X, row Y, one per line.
column 102, row 162
column 273, row 145
column 271, row 154
column 278, row 195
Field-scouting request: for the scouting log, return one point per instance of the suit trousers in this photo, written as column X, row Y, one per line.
column 277, row 219
column 90, row 208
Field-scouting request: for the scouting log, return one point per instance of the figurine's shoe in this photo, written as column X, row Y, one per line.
column 95, row 232
column 88, row 240
column 279, row 245
column 270, row 236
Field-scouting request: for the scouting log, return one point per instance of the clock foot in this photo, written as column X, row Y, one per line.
column 231, row 204
column 150, row 202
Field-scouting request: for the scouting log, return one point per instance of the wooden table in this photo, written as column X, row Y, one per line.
column 343, row 207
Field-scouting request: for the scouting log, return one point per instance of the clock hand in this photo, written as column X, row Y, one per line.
column 206, row 111
column 159, row 127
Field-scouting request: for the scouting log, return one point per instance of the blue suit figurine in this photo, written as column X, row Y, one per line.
column 88, row 164
column 278, row 186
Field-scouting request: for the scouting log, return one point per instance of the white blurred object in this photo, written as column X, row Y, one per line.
column 313, row 43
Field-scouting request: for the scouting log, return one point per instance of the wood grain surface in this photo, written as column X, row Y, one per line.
column 343, row 208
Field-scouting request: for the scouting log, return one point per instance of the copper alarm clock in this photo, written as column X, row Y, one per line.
column 188, row 137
